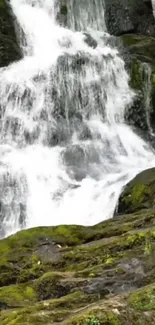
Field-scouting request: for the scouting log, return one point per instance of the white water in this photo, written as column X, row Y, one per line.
column 78, row 178
column 153, row 6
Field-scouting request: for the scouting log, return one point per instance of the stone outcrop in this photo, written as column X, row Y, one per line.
column 125, row 16
column 9, row 49
column 139, row 58
column 139, row 194
column 81, row 275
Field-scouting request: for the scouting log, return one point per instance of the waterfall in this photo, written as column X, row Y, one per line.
column 153, row 6
column 65, row 150
column 147, row 89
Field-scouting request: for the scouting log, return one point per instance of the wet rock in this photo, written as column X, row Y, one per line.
column 57, row 271
column 9, row 49
column 74, row 158
column 90, row 40
column 128, row 16
column 139, row 193
column 139, row 60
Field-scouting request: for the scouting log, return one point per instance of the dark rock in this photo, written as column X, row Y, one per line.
column 139, row 193
column 74, row 157
column 3, row 305
column 126, row 16
column 66, row 271
column 139, row 59
column 90, row 40
column 9, row 49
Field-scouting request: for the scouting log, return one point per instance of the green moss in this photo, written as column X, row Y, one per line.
column 17, row 295
column 63, row 269
column 52, row 310
column 63, row 10
column 136, row 78
column 136, row 196
column 143, row 299
column 31, row 253
column 48, row 286
column 110, row 260
column 23, row 256
column 97, row 316
column 91, row 321
column 140, row 64
column 2, row 4
column 139, row 193
column 142, row 47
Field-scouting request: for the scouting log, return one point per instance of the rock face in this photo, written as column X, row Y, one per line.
column 140, row 64
column 9, row 49
column 134, row 21
column 81, row 275
column 139, row 194
column 125, row 16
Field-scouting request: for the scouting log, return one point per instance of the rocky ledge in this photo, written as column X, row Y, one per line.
column 9, row 47
column 100, row 275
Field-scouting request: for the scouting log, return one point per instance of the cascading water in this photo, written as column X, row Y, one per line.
column 66, row 151
column 147, row 89
column 153, row 6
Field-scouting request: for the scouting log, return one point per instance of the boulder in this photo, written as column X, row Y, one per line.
column 125, row 16
column 139, row 193
column 9, row 48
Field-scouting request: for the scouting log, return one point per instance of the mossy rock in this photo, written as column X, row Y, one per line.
column 139, row 46
column 125, row 16
column 17, row 295
column 139, row 193
column 140, row 63
column 78, row 309
column 78, row 275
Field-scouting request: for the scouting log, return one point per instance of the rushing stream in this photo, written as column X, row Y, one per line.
column 65, row 150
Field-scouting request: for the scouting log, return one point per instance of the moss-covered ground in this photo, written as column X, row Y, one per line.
column 103, row 274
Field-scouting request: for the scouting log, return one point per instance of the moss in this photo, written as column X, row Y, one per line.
column 136, row 77
column 31, row 253
column 52, row 310
column 136, row 196
column 142, row 47
column 49, row 286
column 91, row 321
column 64, row 279
column 97, row 317
column 141, row 67
column 2, row 4
column 63, row 10
column 17, row 295
column 143, row 299
column 110, row 260
column 139, row 193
